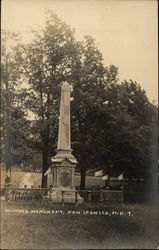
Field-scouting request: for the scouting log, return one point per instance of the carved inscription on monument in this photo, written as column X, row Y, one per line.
column 65, row 179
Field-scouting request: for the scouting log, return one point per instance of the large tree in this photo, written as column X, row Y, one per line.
column 89, row 88
column 47, row 61
column 143, row 149
column 130, row 133
column 14, row 125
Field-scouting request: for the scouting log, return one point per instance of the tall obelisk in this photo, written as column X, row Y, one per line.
column 64, row 125
column 64, row 162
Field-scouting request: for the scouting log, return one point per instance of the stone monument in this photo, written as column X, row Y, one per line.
column 64, row 163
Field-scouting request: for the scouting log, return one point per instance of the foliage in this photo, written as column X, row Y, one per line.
column 47, row 61
column 135, row 127
column 14, row 125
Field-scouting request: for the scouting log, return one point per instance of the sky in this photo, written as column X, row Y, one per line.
column 125, row 31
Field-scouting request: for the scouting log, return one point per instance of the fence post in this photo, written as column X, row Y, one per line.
column 107, row 184
column 89, row 197
column 101, row 196
column 138, row 183
column 63, row 200
column 6, row 192
column 15, row 194
column 19, row 194
column 12, row 195
column 25, row 192
column 76, row 200
column 50, row 191
column 121, row 185
column 33, row 194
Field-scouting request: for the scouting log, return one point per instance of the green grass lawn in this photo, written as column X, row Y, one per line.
column 79, row 231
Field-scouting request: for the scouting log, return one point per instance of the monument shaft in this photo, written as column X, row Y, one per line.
column 64, row 124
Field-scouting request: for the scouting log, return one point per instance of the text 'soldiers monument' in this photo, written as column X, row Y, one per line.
column 64, row 162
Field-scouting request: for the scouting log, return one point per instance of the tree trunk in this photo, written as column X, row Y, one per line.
column 8, row 154
column 83, row 177
column 129, row 183
column 45, row 138
column 8, row 158
column 45, row 162
column 44, row 167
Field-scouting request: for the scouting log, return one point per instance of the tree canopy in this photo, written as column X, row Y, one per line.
column 14, row 124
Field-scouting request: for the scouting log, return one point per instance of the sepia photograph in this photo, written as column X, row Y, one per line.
column 79, row 124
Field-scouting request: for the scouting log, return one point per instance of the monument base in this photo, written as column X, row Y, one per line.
column 65, row 196
column 60, row 196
